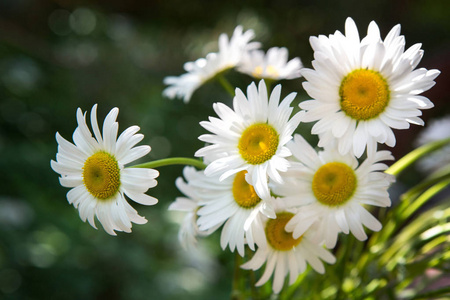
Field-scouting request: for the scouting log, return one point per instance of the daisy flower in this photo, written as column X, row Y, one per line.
column 332, row 189
column 198, row 72
column 187, row 235
column 94, row 170
column 283, row 254
column 274, row 65
column 362, row 89
column 251, row 137
column 234, row 203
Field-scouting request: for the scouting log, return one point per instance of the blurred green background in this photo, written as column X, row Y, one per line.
column 58, row 55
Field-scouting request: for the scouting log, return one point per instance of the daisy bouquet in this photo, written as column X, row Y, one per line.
column 311, row 221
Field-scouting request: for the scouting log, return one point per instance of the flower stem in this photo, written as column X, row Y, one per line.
column 414, row 155
column 226, row 84
column 236, row 289
column 172, row 161
column 342, row 265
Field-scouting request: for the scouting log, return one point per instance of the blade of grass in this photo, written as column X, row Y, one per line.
column 414, row 155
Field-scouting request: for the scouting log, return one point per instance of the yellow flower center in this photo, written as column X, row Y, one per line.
column 257, row 72
column 244, row 194
column 269, row 70
column 364, row 94
column 258, row 143
column 272, row 71
column 101, row 175
column 279, row 238
column 334, row 183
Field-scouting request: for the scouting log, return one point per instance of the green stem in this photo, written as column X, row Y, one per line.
column 172, row 161
column 416, row 190
column 348, row 245
column 414, row 155
column 269, row 82
column 425, row 197
column 226, row 84
column 236, row 292
column 254, row 293
column 290, row 291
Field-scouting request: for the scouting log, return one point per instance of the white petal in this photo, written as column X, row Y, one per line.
column 141, row 198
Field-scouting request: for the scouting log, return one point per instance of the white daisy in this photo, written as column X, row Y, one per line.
column 361, row 89
column 94, row 169
column 331, row 189
column 285, row 255
column 198, row 72
column 232, row 202
column 187, row 235
column 273, row 65
column 251, row 137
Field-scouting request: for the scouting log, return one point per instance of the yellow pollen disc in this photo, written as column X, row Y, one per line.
column 334, row 183
column 272, row 71
column 364, row 94
column 244, row 194
column 101, row 175
column 279, row 238
column 257, row 72
column 258, row 143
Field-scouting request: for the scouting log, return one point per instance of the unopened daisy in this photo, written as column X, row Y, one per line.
column 284, row 254
column 331, row 190
column 251, row 137
column 273, row 65
column 234, row 203
column 189, row 230
column 94, row 169
column 362, row 89
column 198, row 72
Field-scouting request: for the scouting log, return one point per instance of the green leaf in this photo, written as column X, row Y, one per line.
column 414, row 155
